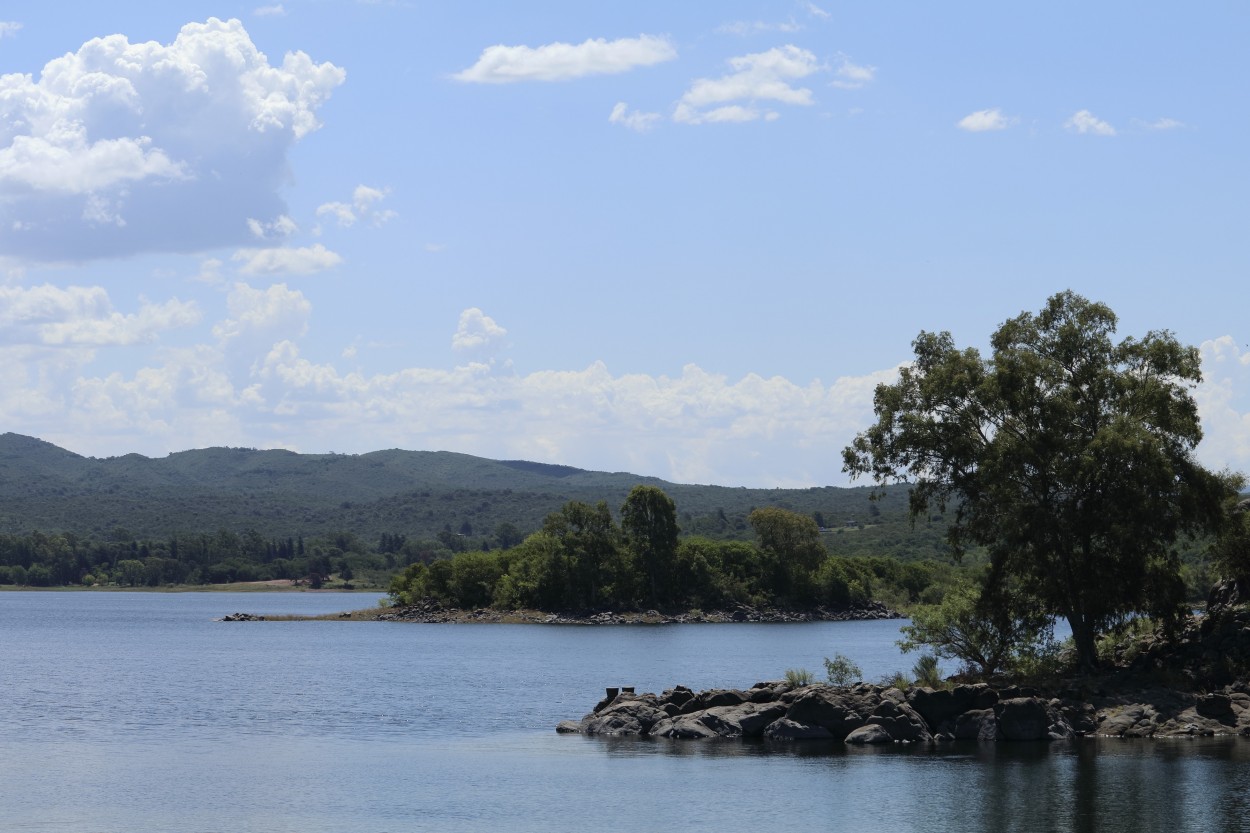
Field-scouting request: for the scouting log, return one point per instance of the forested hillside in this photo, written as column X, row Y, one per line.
column 230, row 514
column 416, row 494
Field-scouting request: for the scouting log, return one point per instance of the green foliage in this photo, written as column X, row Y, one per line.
column 649, row 522
column 841, row 671
column 983, row 626
column 1066, row 455
column 792, row 543
column 927, row 673
column 1230, row 551
column 896, row 680
column 798, row 677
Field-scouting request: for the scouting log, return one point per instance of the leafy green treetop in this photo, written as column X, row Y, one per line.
column 649, row 522
column 1068, row 455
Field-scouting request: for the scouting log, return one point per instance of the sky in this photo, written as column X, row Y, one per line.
column 684, row 240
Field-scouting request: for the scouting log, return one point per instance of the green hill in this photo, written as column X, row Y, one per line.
column 417, row 494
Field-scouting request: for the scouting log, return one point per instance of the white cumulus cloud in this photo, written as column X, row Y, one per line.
column 743, row 28
column 761, row 76
column 633, row 119
column 120, row 148
column 304, row 260
column 364, row 206
column 563, row 61
column 851, row 76
column 83, row 316
column 1223, row 405
column 476, row 331
column 1165, row 123
column 1083, row 121
column 983, row 120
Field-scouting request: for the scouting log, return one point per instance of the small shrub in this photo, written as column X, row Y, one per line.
column 927, row 672
column 896, row 680
column 798, row 677
column 841, row 671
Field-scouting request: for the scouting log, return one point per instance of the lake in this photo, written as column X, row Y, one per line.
column 138, row 712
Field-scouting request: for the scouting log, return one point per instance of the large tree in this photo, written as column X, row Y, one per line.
column 792, row 543
column 1069, row 456
column 649, row 521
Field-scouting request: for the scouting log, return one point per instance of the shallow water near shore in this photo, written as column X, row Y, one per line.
column 135, row 711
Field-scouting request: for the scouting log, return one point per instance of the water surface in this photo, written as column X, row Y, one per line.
column 136, row 711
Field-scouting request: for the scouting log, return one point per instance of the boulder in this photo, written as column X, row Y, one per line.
column 839, row 710
column 747, row 720
column 683, row 727
column 785, row 729
column 900, row 720
column 1133, row 721
column 940, row 708
column 1031, row 718
column 677, row 696
column 870, row 733
column 1216, row 706
column 723, row 697
column 624, row 716
column 976, row 724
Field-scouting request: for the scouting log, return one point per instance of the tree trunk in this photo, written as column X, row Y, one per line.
column 1083, row 637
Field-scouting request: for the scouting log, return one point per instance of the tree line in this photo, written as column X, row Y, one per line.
column 41, row 559
column 584, row 560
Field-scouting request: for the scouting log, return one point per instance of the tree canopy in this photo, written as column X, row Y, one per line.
column 1068, row 455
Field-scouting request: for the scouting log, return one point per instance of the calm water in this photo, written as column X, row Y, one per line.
column 128, row 712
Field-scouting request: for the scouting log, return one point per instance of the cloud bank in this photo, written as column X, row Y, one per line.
column 250, row 382
column 123, row 148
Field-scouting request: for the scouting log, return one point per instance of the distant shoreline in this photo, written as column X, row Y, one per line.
column 272, row 586
column 431, row 613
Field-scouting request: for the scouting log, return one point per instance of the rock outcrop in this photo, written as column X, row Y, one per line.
column 876, row 714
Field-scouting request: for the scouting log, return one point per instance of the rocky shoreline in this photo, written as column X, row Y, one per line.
column 876, row 714
column 1195, row 682
column 430, row 611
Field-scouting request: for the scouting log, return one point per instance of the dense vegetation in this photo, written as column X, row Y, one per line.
column 417, row 494
column 225, row 515
column 582, row 560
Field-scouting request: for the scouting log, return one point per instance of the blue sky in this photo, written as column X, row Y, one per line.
column 684, row 240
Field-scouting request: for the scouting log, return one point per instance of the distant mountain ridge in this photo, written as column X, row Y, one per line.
column 418, row 494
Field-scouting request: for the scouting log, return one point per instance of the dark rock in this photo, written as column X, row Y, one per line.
column 901, row 721
column 939, row 708
column 724, row 697
column 977, row 724
column 683, row 727
column 1030, row 718
column 1217, row 706
column 625, row 716
column 839, row 710
column 871, row 733
column 786, row 729
column 745, row 720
